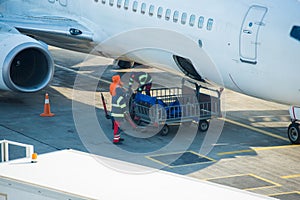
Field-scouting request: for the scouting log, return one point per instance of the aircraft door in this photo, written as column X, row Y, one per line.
column 249, row 33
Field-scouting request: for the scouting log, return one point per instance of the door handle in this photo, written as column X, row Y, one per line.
column 247, row 31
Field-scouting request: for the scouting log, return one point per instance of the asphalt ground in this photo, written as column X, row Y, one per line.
column 247, row 148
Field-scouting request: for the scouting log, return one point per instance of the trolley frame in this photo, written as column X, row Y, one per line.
column 170, row 106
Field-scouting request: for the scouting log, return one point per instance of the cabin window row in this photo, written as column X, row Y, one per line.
column 176, row 16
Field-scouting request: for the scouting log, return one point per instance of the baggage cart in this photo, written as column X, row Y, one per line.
column 171, row 106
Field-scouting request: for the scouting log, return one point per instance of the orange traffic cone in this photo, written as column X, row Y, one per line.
column 47, row 112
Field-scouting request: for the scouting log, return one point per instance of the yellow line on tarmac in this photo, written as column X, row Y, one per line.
column 256, row 129
column 283, row 193
column 273, row 184
column 235, row 152
column 157, row 161
column 183, row 165
column 275, row 147
column 222, row 177
column 291, row 176
column 254, row 149
column 265, row 180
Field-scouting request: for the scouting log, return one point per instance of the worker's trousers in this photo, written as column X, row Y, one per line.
column 117, row 130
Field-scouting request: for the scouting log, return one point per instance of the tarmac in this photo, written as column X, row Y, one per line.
column 247, row 148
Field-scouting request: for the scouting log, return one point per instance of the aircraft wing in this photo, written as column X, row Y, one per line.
column 53, row 30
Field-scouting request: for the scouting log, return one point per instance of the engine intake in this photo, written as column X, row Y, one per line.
column 26, row 65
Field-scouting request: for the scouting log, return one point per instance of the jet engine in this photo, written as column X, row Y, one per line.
column 26, row 65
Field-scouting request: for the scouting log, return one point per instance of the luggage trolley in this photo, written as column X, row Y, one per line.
column 170, row 106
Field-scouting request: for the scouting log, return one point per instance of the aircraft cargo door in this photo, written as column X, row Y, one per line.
column 249, row 33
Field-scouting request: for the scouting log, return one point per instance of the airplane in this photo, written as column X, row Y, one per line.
column 249, row 46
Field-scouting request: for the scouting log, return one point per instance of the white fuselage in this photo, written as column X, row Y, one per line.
column 244, row 45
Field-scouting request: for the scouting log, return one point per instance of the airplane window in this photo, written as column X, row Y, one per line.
column 111, row 2
column 103, row 1
column 119, row 3
column 151, row 10
column 126, row 4
column 135, row 5
column 183, row 18
column 143, row 8
column 63, row 2
column 209, row 24
column 175, row 16
column 168, row 14
column 295, row 33
column 192, row 20
column 201, row 22
column 160, row 12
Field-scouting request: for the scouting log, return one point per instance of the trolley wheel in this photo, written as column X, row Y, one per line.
column 203, row 125
column 294, row 133
column 137, row 120
column 165, row 130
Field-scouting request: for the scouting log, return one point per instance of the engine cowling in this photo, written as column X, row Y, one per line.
column 26, row 65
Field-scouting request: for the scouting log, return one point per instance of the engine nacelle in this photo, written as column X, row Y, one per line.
column 26, row 65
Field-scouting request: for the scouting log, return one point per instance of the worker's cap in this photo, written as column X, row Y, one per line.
column 117, row 79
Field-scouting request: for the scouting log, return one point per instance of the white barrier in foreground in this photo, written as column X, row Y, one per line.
column 5, row 149
column 74, row 175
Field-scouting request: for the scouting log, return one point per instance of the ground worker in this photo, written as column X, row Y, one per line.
column 118, row 106
column 144, row 81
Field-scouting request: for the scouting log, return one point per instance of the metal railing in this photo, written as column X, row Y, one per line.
column 5, row 149
column 171, row 105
